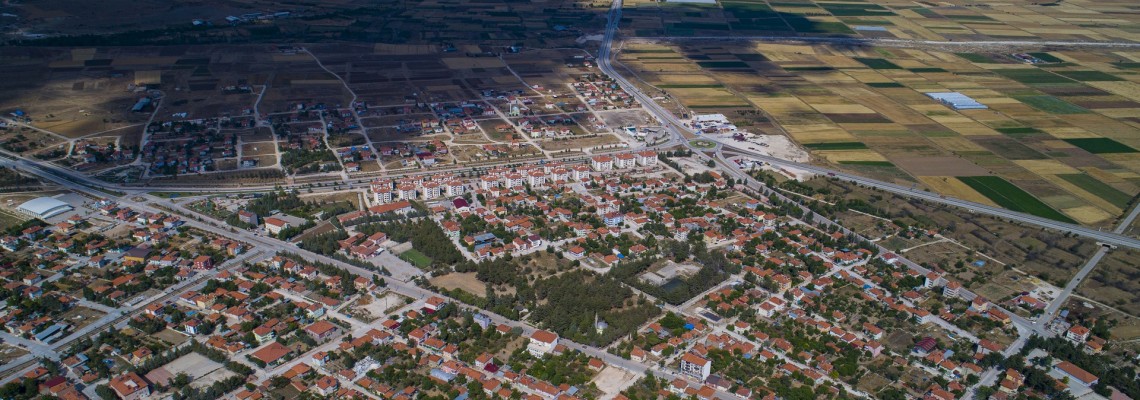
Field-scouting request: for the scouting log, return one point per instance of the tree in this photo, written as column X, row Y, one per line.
column 180, row 380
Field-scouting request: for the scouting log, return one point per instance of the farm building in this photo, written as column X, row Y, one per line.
column 44, row 207
column 957, row 101
column 141, row 104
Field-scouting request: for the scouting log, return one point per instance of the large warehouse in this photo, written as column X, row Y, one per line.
column 44, row 207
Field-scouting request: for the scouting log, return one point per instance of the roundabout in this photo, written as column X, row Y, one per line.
column 703, row 144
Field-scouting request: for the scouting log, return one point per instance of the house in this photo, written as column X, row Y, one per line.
column 248, row 217
column 264, row 334
column 951, row 289
column 272, row 354
column 1012, row 382
column 577, row 252
column 327, row 385
column 321, row 330
column 637, row 354
column 274, row 226
column 203, row 262
column 925, row 346
column 130, row 386
column 542, row 342
column 434, row 303
column 1077, row 334
column 143, row 354
column 695, row 366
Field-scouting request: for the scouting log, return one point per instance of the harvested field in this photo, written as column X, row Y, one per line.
column 938, row 166
column 465, row 281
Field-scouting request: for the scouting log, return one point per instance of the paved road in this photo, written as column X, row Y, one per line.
column 1127, row 221
column 1039, row 325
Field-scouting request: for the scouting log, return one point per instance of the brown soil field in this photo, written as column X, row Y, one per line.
column 465, row 281
column 938, row 166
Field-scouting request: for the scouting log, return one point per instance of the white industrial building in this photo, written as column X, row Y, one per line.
column 957, row 101
column 44, row 207
column 713, row 123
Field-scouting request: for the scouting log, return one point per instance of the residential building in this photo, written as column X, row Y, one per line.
column 130, row 386
column 1077, row 334
column 602, row 163
column 274, row 226
column 695, row 366
column 542, row 342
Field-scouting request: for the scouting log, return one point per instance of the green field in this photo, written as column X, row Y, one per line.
column 1101, row 145
column 1089, row 76
column 809, row 69
column 1046, row 57
column 877, row 63
column 722, row 64
column 1019, row 131
column 869, row 163
column 1012, row 197
column 927, row 69
column 1098, row 188
column 1031, row 76
column 1051, row 104
column 885, row 85
column 855, row 10
column 751, row 57
column 709, row 26
column 805, row 25
column 976, row 58
column 690, row 86
column 836, row 146
column 416, row 258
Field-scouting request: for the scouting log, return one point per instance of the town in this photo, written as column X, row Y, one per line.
column 564, row 200
column 700, row 281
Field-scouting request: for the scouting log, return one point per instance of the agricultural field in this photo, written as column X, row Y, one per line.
column 420, row 24
column 268, row 109
column 956, row 20
column 1056, row 138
